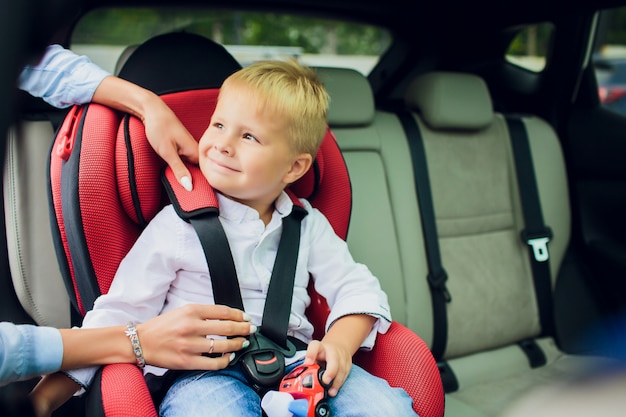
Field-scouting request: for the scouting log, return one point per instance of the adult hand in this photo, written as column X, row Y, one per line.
column 170, row 139
column 166, row 134
column 177, row 339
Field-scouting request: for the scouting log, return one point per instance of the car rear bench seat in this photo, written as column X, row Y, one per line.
column 479, row 219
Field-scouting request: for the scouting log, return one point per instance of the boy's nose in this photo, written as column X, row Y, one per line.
column 223, row 144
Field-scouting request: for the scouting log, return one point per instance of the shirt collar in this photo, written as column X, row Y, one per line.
column 237, row 212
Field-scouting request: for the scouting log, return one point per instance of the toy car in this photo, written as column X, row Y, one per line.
column 309, row 395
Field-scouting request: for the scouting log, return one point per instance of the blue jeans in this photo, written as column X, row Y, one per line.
column 226, row 393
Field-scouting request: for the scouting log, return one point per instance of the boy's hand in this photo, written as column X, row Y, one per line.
column 338, row 346
column 338, row 363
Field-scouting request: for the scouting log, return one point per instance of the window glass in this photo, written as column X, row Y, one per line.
column 609, row 59
column 104, row 33
column 530, row 47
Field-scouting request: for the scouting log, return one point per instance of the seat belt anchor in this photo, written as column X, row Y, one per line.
column 438, row 281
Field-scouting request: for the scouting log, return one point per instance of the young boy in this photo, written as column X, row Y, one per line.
column 268, row 124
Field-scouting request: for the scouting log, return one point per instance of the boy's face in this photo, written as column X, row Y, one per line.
column 245, row 152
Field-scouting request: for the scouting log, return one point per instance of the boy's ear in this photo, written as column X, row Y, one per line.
column 299, row 167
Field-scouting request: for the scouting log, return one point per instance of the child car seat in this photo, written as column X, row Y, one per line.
column 105, row 186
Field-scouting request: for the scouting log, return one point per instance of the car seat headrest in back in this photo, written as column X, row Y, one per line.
column 121, row 60
column 351, row 97
column 448, row 100
column 178, row 61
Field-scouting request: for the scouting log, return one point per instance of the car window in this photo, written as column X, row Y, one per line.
column 104, row 33
column 530, row 46
column 609, row 59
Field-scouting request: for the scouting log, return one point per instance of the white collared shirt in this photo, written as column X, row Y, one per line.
column 166, row 268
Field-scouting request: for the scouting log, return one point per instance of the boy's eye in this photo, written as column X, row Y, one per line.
column 250, row 137
column 218, row 125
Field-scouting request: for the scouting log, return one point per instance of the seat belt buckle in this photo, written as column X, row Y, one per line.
column 263, row 362
column 540, row 248
column 539, row 243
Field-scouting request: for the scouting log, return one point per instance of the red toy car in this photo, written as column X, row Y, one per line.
column 309, row 394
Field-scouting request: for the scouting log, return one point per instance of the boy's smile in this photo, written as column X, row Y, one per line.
column 221, row 165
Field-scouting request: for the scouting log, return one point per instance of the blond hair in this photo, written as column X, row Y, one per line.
column 293, row 90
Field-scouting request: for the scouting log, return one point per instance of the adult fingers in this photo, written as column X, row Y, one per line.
column 215, row 345
column 172, row 157
column 217, row 312
column 208, row 363
column 188, row 148
column 221, row 320
column 214, row 353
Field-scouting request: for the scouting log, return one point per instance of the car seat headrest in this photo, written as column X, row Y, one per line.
column 137, row 166
column 178, row 61
column 351, row 97
column 449, row 100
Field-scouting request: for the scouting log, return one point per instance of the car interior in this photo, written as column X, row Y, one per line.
column 485, row 166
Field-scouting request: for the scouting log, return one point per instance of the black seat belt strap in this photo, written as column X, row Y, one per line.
column 437, row 275
column 219, row 259
column 535, row 234
column 224, row 276
column 280, row 292
column 263, row 362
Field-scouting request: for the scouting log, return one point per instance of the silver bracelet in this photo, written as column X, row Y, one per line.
column 131, row 332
